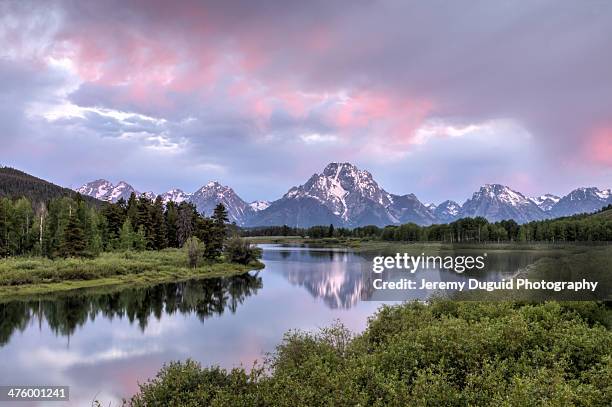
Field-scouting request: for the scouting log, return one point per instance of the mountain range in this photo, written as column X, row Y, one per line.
column 346, row 196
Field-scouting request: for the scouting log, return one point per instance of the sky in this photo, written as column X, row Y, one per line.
column 434, row 98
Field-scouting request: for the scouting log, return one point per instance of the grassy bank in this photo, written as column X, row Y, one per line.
column 35, row 275
column 441, row 354
column 376, row 246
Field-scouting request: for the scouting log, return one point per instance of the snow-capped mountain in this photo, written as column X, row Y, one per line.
column 210, row 195
column 175, row 195
column 105, row 191
column 150, row 195
column 408, row 208
column 342, row 187
column 346, row 196
column 342, row 195
column 205, row 199
column 545, row 202
column 447, row 211
column 582, row 200
column 259, row 205
column 497, row 202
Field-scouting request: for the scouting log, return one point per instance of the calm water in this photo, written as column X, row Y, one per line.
column 102, row 345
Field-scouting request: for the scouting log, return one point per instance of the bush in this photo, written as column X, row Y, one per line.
column 195, row 251
column 445, row 353
column 238, row 250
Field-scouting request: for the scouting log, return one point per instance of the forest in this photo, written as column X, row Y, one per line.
column 578, row 228
column 72, row 227
column 15, row 183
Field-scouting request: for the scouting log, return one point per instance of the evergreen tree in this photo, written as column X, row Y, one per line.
column 6, row 211
column 144, row 219
column 73, row 244
column 127, row 235
column 140, row 239
column 171, row 219
column 218, row 232
column 158, row 223
column 132, row 210
column 114, row 215
column 220, row 216
column 60, row 210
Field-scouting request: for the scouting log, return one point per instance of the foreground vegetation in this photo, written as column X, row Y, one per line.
column 26, row 276
column 444, row 354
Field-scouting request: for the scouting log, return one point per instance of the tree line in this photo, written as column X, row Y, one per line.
column 70, row 227
column 578, row 228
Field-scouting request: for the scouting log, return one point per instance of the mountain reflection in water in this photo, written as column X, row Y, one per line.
column 342, row 278
column 334, row 275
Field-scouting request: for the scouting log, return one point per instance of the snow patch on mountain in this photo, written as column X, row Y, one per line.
column 546, row 201
column 259, row 205
column 105, row 191
column 175, row 195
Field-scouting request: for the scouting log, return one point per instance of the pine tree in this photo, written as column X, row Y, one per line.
column 158, row 223
column 140, row 239
column 220, row 215
column 214, row 245
column 74, row 240
column 127, row 235
column 171, row 219
column 132, row 210
column 114, row 216
column 60, row 211
column 6, row 210
column 144, row 219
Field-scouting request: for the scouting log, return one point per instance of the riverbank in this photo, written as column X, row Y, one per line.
column 35, row 275
column 375, row 245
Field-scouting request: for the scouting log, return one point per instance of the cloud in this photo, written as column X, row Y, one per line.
column 262, row 95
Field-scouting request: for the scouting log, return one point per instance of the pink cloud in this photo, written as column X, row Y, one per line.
column 147, row 58
column 391, row 118
column 599, row 146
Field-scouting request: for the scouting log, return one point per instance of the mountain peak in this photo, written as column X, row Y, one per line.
column 546, row 201
column 497, row 202
column 105, row 191
column 345, row 195
column 447, row 211
column 502, row 193
column 335, row 167
column 259, row 205
column 175, row 195
column 213, row 193
column 213, row 183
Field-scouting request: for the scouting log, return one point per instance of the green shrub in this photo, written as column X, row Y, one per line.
column 441, row 354
column 238, row 250
column 195, row 250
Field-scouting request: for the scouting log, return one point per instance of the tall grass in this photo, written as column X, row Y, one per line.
column 35, row 270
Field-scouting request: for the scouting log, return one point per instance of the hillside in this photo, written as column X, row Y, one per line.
column 16, row 184
column 604, row 214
